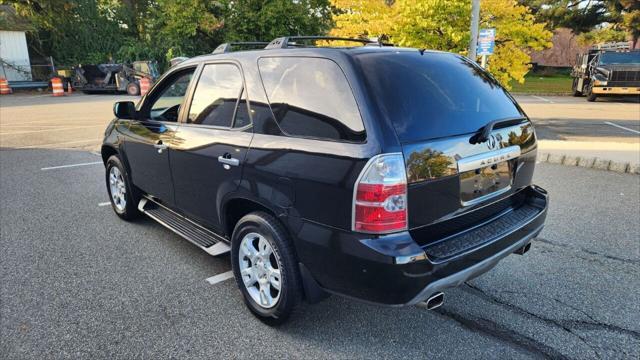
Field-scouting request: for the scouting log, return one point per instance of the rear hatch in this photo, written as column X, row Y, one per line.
column 439, row 104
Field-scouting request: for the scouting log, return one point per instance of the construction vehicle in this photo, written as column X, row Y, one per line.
column 607, row 69
column 113, row 77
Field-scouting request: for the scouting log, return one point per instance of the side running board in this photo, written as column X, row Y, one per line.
column 196, row 234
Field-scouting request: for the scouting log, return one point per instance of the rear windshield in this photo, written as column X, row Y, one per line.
column 433, row 95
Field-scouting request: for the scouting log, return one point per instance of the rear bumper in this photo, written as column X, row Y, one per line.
column 394, row 270
column 616, row 90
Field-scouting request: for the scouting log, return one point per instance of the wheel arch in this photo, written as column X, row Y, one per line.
column 237, row 207
column 108, row 150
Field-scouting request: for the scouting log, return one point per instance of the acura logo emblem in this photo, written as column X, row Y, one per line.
column 492, row 142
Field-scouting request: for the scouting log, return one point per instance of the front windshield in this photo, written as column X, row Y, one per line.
column 620, row 58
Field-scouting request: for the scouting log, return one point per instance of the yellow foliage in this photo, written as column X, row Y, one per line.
column 361, row 18
column 444, row 25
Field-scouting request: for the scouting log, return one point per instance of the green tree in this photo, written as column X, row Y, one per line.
column 629, row 14
column 252, row 20
column 598, row 20
column 71, row 31
column 578, row 15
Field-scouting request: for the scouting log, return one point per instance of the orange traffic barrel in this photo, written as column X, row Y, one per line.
column 4, row 87
column 145, row 84
column 56, row 87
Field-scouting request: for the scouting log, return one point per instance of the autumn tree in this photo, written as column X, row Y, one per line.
column 368, row 19
column 444, row 25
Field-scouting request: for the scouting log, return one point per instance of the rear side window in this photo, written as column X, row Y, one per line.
column 242, row 114
column 216, row 95
column 434, row 95
column 310, row 97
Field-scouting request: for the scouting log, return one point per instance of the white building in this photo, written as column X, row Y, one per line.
column 14, row 55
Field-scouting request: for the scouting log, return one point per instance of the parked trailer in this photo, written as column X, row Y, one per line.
column 111, row 78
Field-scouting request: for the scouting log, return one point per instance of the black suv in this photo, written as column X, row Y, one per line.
column 379, row 173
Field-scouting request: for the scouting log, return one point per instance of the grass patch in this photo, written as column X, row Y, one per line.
column 545, row 85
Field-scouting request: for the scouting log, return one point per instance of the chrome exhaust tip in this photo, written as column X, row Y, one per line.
column 523, row 250
column 435, row 301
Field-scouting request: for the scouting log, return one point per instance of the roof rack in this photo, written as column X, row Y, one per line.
column 285, row 42
column 226, row 47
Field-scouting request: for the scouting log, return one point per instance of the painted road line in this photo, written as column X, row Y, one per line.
column 622, row 127
column 220, row 277
column 543, row 99
column 104, row 204
column 97, row 141
column 70, row 165
column 48, row 130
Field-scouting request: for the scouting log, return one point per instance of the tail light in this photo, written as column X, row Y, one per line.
column 380, row 196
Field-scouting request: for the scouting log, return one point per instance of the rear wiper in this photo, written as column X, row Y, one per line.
column 483, row 133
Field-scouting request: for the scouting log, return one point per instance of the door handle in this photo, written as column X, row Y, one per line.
column 160, row 146
column 228, row 161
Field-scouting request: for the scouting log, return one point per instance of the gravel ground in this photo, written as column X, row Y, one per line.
column 77, row 282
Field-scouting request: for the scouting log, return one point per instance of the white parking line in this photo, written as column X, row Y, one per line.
column 71, row 165
column 220, row 277
column 543, row 99
column 59, row 143
column 48, row 130
column 622, row 127
column 104, row 204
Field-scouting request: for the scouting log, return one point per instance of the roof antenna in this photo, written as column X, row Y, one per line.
column 422, row 51
column 381, row 39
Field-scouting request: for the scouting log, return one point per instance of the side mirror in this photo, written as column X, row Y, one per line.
column 124, row 110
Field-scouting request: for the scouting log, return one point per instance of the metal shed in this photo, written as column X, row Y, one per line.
column 14, row 54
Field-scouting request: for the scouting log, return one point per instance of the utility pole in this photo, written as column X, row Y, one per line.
column 475, row 19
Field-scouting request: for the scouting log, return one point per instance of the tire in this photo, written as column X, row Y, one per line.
column 133, row 89
column 125, row 201
column 591, row 97
column 253, row 230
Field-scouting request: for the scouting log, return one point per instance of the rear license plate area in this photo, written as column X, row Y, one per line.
column 484, row 182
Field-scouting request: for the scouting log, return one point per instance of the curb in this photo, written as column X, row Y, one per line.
column 542, row 93
column 590, row 162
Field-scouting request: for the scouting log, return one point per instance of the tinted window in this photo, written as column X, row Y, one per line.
column 216, row 95
column 311, row 97
column 435, row 94
column 166, row 105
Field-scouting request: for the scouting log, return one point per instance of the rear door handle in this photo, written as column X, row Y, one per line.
column 160, row 146
column 228, row 161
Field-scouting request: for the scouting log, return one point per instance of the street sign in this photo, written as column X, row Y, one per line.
column 486, row 41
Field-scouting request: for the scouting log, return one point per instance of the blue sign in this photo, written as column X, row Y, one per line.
column 486, row 41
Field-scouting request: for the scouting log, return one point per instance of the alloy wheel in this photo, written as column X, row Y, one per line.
column 260, row 270
column 117, row 188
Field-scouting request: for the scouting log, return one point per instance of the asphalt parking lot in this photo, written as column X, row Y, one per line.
column 571, row 118
column 78, row 282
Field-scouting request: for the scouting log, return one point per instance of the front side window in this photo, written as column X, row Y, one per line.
column 166, row 105
column 310, row 97
column 216, row 95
